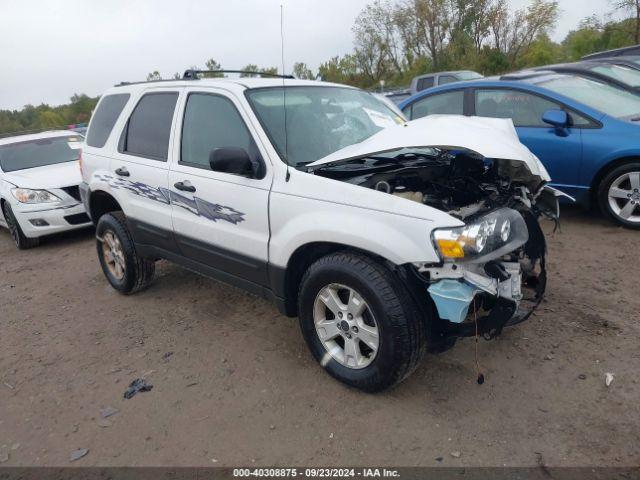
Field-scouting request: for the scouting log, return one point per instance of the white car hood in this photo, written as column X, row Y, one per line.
column 492, row 138
column 50, row 176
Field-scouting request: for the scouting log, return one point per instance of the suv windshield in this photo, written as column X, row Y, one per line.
column 320, row 120
column 38, row 153
column 610, row 100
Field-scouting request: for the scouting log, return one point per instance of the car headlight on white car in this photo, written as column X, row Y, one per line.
column 26, row 195
column 486, row 238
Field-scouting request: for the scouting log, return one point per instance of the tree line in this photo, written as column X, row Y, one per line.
column 395, row 40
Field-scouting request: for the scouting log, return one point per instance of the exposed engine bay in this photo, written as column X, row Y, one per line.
column 459, row 183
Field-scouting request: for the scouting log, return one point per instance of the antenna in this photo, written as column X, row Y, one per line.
column 284, row 94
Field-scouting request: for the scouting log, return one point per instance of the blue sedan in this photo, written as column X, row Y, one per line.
column 586, row 133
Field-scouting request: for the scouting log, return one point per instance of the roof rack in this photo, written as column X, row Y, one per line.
column 193, row 74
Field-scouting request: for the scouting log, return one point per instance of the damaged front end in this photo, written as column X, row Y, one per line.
column 491, row 272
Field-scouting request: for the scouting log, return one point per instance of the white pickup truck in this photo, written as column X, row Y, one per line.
column 385, row 238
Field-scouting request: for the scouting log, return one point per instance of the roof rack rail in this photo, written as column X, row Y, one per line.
column 193, row 74
column 125, row 84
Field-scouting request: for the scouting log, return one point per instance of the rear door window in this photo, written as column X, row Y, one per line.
column 149, row 127
column 105, row 118
column 450, row 103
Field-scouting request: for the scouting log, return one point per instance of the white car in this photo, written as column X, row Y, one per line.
column 385, row 238
column 39, row 178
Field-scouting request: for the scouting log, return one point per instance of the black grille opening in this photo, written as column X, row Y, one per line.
column 73, row 191
column 77, row 219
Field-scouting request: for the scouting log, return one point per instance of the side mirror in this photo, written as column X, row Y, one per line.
column 556, row 118
column 233, row 160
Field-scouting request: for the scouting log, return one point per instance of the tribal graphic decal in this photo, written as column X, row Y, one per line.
column 195, row 205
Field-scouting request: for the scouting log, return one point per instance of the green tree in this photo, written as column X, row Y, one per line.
column 211, row 64
column 251, row 67
column 269, row 70
column 302, row 71
column 542, row 51
column 632, row 6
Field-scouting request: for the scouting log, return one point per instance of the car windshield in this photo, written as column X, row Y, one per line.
column 320, row 120
column 626, row 75
column 39, row 153
column 610, row 100
column 468, row 75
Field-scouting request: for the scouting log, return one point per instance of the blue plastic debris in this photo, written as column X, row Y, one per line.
column 452, row 299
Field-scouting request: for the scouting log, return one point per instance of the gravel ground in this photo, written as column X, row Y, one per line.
column 233, row 383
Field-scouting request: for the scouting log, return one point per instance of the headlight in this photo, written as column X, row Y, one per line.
column 25, row 195
column 487, row 238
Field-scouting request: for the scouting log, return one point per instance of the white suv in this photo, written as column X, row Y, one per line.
column 385, row 238
column 39, row 177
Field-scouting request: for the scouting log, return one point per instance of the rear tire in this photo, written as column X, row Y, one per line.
column 352, row 282
column 21, row 240
column 619, row 195
column 125, row 270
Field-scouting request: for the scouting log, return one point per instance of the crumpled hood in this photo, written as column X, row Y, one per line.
column 50, row 176
column 493, row 138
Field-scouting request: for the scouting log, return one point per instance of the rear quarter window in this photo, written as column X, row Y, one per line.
column 105, row 118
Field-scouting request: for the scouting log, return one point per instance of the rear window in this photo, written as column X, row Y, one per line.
column 39, row 153
column 149, row 127
column 105, row 118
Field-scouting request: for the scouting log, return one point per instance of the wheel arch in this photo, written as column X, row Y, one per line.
column 101, row 202
column 301, row 259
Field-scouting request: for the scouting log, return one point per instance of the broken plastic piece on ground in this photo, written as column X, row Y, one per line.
column 138, row 385
column 78, row 454
column 608, row 378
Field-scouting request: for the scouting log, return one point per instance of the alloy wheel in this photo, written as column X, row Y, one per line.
column 113, row 254
column 624, row 197
column 346, row 326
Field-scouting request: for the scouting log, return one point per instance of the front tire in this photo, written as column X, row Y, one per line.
column 360, row 322
column 21, row 240
column 619, row 195
column 125, row 270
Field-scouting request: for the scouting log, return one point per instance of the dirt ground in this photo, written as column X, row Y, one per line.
column 234, row 384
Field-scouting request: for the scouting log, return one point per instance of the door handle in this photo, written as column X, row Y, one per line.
column 122, row 171
column 185, row 186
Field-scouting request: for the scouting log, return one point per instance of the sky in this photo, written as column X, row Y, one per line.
column 51, row 49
